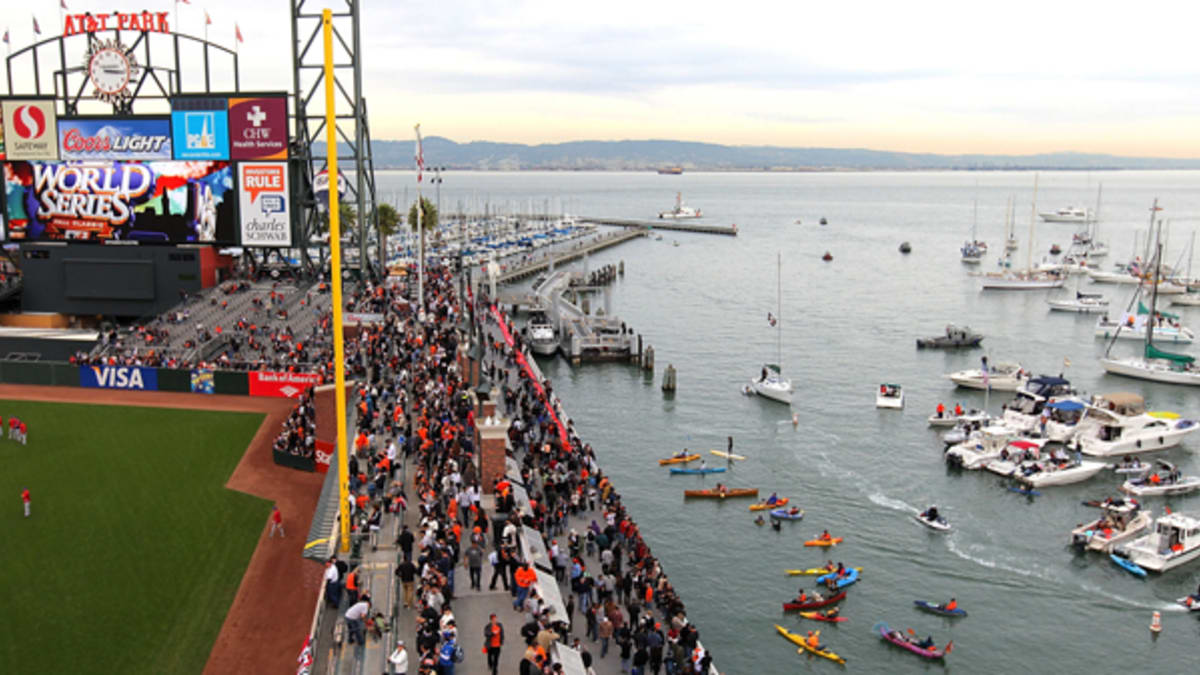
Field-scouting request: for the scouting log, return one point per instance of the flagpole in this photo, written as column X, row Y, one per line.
column 420, row 235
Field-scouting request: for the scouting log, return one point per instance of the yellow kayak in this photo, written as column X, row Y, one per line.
column 678, row 460
column 763, row 506
column 799, row 640
column 813, row 571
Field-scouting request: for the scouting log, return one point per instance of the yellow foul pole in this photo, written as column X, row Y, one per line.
column 335, row 254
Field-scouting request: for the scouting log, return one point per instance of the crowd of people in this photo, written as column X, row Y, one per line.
column 415, row 409
column 299, row 433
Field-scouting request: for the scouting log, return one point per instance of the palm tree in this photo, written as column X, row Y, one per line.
column 387, row 221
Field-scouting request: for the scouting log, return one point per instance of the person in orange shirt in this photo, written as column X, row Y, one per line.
column 525, row 577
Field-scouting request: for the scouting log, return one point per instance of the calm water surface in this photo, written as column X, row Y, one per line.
column 861, row 472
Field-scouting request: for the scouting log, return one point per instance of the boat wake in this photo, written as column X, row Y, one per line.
column 893, row 504
column 954, row 548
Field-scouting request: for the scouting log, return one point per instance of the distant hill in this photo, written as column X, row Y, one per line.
column 653, row 154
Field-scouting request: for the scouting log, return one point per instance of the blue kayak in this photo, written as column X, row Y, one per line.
column 786, row 514
column 1128, row 565
column 851, row 577
column 715, row 469
column 936, row 609
column 1025, row 491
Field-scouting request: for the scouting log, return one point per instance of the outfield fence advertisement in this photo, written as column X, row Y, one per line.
column 163, row 202
column 119, row 377
column 263, row 204
column 281, row 384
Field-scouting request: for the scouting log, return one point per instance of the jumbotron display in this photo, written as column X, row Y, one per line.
column 166, row 201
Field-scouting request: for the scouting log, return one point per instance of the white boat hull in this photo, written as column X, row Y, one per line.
column 1154, row 370
column 1075, row 474
column 1138, row 443
column 973, row 379
column 1187, row 300
column 1078, row 306
column 544, row 347
column 776, row 389
column 1183, row 486
column 1094, row 539
column 940, row 525
column 893, row 402
column 1019, row 284
column 1165, row 334
column 950, row 419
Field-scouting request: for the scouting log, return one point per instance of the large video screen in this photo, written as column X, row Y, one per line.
column 151, row 201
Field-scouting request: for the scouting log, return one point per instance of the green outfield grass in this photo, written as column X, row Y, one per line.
column 135, row 549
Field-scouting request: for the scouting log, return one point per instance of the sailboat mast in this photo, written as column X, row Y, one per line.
column 779, row 309
column 1096, row 215
column 1157, row 268
column 1032, row 221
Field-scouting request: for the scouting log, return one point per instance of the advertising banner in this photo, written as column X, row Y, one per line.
column 111, row 139
column 258, row 128
column 1, row 136
column 167, row 202
column 31, row 129
column 119, row 377
column 202, row 381
column 200, row 128
column 324, row 455
column 282, row 385
column 321, row 188
column 263, row 200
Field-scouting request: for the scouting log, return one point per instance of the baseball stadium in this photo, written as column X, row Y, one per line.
column 244, row 439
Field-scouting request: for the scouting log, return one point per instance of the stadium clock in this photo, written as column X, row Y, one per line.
column 111, row 68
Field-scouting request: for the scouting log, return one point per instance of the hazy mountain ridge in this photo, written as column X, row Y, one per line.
column 654, row 154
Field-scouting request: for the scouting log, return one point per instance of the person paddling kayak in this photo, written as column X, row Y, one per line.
column 949, row 606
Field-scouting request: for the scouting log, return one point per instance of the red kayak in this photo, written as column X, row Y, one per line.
column 789, row 606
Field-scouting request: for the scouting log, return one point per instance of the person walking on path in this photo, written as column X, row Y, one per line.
column 407, row 572
column 473, row 559
column 399, row 659
column 276, row 523
column 493, row 640
column 25, row 498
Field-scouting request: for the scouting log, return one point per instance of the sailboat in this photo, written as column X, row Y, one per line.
column 1027, row 279
column 1010, row 237
column 972, row 252
column 1154, row 364
column 1191, row 298
column 771, row 383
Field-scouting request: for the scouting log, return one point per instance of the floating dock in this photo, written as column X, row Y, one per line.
column 664, row 224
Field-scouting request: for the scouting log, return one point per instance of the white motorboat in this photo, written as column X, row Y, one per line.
column 889, row 396
column 1186, row 299
column 1021, row 281
column 994, row 443
column 771, row 383
column 1134, row 328
column 938, row 523
column 1117, row 424
column 1082, row 303
column 949, row 419
column 1173, row 541
column 1000, row 377
column 1062, row 419
column 1015, row 455
column 1024, row 412
column 1168, row 482
column 1069, row 214
column 542, row 337
column 680, row 211
column 1058, row 470
column 1120, row 521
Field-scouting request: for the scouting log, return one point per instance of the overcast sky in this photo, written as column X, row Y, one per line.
column 948, row 77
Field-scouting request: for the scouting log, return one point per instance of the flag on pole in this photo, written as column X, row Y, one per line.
column 207, row 18
column 63, row 4
column 420, row 154
column 6, row 36
column 36, row 29
column 237, row 33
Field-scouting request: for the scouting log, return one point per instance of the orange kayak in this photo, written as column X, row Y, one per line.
column 741, row 492
column 823, row 542
column 678, row 460
column 763, row 506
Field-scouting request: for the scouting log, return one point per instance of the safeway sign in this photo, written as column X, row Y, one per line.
column 281, row 385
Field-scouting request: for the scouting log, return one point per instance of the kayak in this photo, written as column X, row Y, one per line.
column 897, row 638
column 1029, row 492
column 1128, row 565
column 940, row 524
column 823, row 542
column 726, row 455
column 763, row 506
column 851, row 577
column 814, row 604
column 813, row 571
column 1190, row 602
column 713, row 494
column 707, row 469
column 817, row 616
column 678, row 460
column 799, row 640
column 935, row 609
column 786, row 514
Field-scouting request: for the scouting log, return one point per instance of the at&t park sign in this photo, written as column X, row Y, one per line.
column 145, row 21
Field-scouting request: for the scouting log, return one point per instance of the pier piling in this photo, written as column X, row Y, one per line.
column 668, row 384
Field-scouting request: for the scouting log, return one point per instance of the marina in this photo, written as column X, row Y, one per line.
column 705, row 311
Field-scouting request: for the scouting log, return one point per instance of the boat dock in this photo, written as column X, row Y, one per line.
column 581, row 336
column 727, row 230
column 511, row 273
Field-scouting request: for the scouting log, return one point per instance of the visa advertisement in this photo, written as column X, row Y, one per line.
column 163, row 202
column 113, row 139
column 263, row 204
column 200, row 128
column 119, row 377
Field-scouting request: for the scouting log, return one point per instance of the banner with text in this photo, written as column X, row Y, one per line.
column 263, row 200
column 200, row 128
column 30, row 128
column 114, row 138
column 258, row 128
column 281, row 385
column 119, row 377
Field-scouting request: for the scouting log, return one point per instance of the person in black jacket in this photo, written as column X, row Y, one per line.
column 493, row 640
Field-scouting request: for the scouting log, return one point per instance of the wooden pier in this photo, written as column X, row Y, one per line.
column 511, row 273
column 664, row 224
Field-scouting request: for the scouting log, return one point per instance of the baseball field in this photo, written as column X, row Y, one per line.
column 135, row 548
